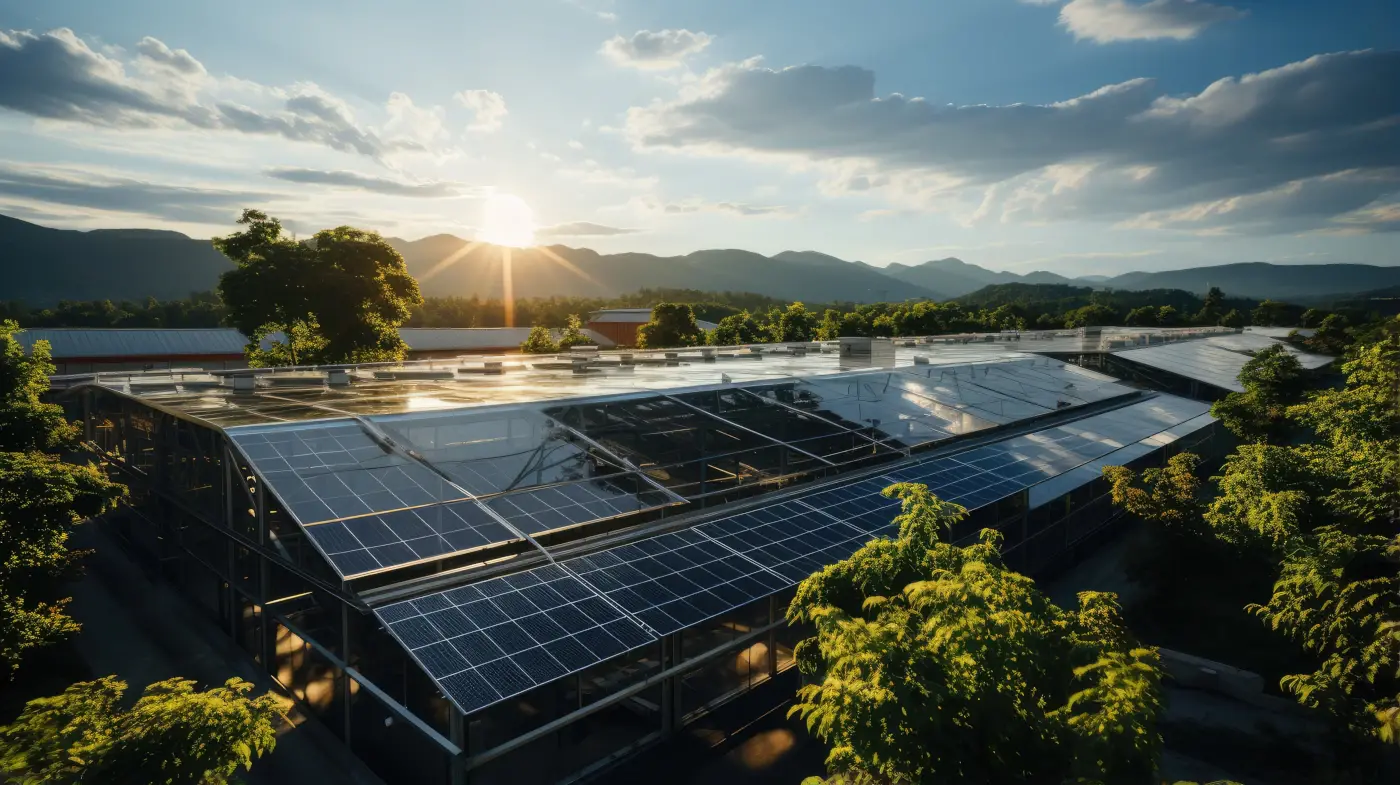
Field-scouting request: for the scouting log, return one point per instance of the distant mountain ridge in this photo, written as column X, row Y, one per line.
column 43, row 266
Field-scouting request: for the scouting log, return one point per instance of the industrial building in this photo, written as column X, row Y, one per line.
column 525, row 570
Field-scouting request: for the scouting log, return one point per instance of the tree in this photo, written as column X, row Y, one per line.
column 671, row 325
column 1146, row 316
column 1331, row 336
column 1167, row 316
column 1312, row 317
column 1168, row 496
column 1270, row 313
column 795, row 324
column 934, row 663
column 1233, row 319
column 1093, row 315
column 572, row 335
column 539, row 341
column 1326, row 514
column 1211, row 307
column 738, row 329
column 41, row 498
column 1047, row 322
column 854, row 325
column 173, row 734
column 340, row 297
column 1273, row 380
column 882, row 327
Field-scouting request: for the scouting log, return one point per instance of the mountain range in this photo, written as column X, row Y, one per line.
column 44, row 265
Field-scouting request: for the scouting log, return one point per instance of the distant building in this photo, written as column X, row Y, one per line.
column 92, row 350
column 620, row 325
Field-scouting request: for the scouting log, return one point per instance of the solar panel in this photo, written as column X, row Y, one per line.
column 360, row 545
column 676, row 580
column 1193, row 360
column 561, row 506
column 326, row 471
column 488, row 641
column 792, row 539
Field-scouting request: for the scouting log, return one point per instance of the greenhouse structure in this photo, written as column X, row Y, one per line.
column 529, row 569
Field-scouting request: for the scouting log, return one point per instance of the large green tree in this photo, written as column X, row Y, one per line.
column 1212, row 307
column 41, row 498
column 933, row 663
column 672, row 325
column 739, row 328
column 1326, row 513
column 1273, row 380
column 338, row 297
column 795, row 323
column 173, row 735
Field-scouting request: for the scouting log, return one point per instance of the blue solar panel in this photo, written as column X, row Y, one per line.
column 488, row 641
column 675, row 580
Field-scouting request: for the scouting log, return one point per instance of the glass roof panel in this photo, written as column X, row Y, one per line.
column 490, row 451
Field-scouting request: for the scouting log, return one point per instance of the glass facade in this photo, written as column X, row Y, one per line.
column 403, row 576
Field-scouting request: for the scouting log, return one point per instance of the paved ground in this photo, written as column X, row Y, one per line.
column 145, row 632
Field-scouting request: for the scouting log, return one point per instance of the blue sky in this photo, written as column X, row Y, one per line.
column 1080, row 136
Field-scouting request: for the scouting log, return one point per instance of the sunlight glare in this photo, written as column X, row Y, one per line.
column 507, row 220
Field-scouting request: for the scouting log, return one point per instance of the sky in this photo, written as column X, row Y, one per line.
column 1076, row 136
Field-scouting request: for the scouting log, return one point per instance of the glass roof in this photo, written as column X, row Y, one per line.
column 487, row 641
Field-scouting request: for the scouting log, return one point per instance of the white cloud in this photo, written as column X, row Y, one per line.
column 658, row 50
column 1105, row 21
column 1122, row 151
column 488, row 109
column 120, row 193
column 59, row 76
column 431, row 189
column 697, row 205
column 581, row 229
column 575, row 144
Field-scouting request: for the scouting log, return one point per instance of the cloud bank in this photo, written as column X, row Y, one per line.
column 1305, row 145
column 58, row 76
column 581, row 229
column 369, row 183
column 488, row 109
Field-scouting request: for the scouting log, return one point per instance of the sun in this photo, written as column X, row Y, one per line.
column 507, row 220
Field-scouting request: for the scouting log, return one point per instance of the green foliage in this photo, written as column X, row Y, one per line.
column 26, row 422
column 738, row 329
column 1326, row 512
column 935, row 663
column 339, row 297
column 1211, row 307
column 1146, row 316
column 1233, row 318
column 1273, row 380
column 795, row 323
column 1094, row 315
column 1168, row 496
column 672, row 325
column 1274, row 314
column 572, row 335
column 41, row 498
column 173, row 735
column 539, row 341
column 200, row 309
column 1332, row 336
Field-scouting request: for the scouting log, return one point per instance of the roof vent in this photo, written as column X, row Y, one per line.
column 338, row 376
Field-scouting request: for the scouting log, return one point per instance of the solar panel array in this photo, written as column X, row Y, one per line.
column 1197, row 360
column 666, row 583
column 446, row 482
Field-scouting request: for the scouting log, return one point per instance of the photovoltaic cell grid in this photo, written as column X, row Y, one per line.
column 361, row 545
column 679, row 579
column 675, row 580
column 328, row 471
column 488, row 641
